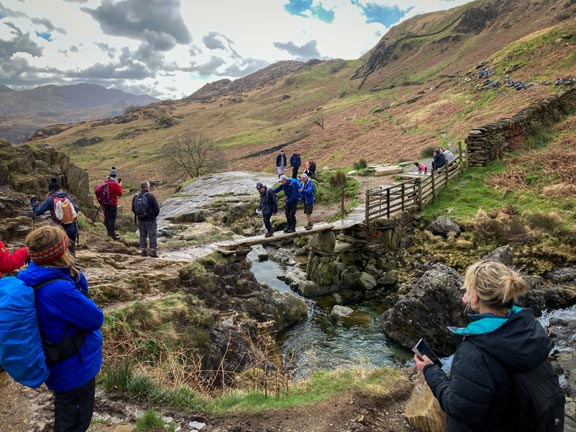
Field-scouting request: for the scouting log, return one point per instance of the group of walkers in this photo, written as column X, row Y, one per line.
column 441, row 157
column 296, row 190
column 63, row 211
column 295, row 164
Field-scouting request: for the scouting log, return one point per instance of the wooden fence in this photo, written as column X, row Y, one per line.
column 415, row 192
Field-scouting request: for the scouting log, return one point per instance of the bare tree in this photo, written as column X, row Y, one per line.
column 318, row 117
column 195, row 155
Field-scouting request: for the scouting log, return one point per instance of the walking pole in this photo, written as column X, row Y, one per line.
column 96, row 215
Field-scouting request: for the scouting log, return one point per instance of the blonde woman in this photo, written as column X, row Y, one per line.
column 69, row 324
column 480, row 393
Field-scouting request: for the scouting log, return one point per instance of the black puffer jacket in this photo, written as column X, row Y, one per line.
column 478, row 395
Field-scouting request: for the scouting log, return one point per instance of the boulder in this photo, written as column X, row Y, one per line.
column 503, row 254
column 323, row 242
column 432, row 304
column 443, row 226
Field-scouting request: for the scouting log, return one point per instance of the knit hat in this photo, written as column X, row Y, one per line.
column 50, row 252
column 53, row 186
column 113, row 172
column 259, row 185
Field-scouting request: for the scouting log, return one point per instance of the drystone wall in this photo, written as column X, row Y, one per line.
column 489, row 142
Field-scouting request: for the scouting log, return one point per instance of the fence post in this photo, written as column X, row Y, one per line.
column 433, row 183
column 388, row 203
column 403, row 194
column 366, row 217
column 418, row 194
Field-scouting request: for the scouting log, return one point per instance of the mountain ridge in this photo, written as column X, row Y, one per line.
column 24, row 111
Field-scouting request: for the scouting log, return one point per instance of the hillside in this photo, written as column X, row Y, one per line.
column 22, row 112
column 419, row 87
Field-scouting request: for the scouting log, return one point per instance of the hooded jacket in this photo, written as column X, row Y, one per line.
column 479, row 394
column 64, row 309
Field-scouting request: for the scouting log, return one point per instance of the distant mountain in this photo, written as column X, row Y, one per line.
column 23, row 112
column 264, row 77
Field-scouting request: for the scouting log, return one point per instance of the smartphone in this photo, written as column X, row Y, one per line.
column 422, row 349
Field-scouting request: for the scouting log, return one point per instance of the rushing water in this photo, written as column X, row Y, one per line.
column 322, row 343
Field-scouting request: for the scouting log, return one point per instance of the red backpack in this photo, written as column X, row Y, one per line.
column 102, row 192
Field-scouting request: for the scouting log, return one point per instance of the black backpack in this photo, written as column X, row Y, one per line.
column 141, row 207
column 540, row 399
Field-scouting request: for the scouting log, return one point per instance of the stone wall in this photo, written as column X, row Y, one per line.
column 489, row 142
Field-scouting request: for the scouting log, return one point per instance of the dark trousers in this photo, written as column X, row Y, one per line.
column 267, row 224
column 72, row 233
column 290, row 211
column 148, row 230
column 73, row 409
column 295, row 172
column 110, row 213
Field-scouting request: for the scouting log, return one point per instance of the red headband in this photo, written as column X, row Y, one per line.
column 51, row 253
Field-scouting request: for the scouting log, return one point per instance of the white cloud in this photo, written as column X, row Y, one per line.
column 170, row 48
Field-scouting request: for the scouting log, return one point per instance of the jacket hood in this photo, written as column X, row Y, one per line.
column 519, row 343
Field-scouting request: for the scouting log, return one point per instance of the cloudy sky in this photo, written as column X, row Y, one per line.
column 170, row 48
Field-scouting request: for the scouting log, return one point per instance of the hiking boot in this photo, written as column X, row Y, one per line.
column 269, row 234
column 153, row 253
column 308, row 227
column 144, row 252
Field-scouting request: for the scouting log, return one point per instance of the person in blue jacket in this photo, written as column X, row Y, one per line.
column 69, row 323
column 55, row 190
column 479, row 395
column 295, row 162
column 290, row 188
column 307, row 192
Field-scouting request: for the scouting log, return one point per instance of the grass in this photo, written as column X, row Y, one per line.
column 321, row 386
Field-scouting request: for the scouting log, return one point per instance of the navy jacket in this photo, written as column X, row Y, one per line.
column 478, row 395
column 295, row 160
column 48, row 205
column 291, row 191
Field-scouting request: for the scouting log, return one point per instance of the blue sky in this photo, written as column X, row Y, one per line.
column 171, row 48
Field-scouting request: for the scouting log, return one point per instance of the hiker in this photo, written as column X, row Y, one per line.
column 290, row 188
column 448, row 155
column 69, row 324
column 268, row 206
column 67, row 219
column 12, row 261
column 111, row 209
column 480, row 394
column 307, row 192
column 422, row 168
column 310, row 170
column 439, row 160
column 280, row 163
column 295, row 163
column 146, row 209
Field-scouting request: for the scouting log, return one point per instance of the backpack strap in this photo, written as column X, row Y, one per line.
column 68, row 346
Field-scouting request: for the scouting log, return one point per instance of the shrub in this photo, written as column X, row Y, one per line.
column 360, row 165
column 427, row 152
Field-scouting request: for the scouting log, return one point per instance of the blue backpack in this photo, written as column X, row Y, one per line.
column 21, row 351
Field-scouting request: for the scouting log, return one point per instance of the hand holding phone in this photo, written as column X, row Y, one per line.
column 422, row 349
